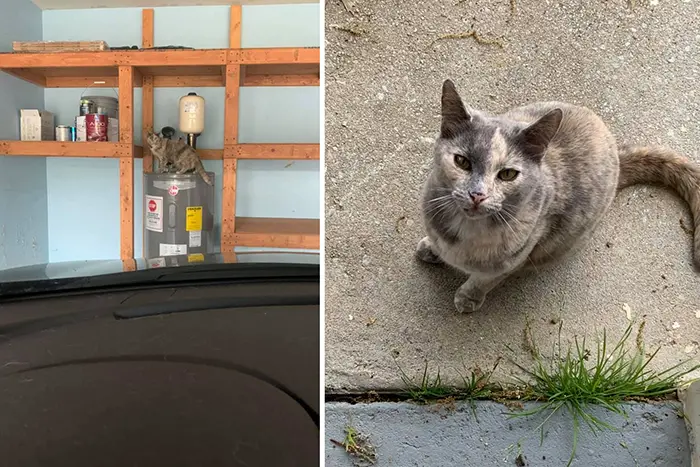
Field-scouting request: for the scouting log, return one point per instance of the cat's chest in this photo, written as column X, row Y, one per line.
column 483, row 250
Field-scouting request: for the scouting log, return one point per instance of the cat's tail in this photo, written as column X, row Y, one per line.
column 661, row 166
column 199, row 168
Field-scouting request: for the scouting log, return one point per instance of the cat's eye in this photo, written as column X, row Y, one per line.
column 508, row 175
column 462, row 162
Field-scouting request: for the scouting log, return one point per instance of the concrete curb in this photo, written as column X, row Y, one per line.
column 690, row 397
column 444, row 435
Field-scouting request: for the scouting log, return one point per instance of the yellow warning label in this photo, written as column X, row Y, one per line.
column 194, row 218
column 195, row 258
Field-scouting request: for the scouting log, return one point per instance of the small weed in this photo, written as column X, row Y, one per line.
column 614, row 376
column 431, row 388
column 358, row 446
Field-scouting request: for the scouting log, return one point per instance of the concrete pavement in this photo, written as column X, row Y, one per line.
column 635, row 65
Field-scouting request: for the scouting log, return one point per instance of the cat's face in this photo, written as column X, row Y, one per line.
column 153, row 140
column 487, row 167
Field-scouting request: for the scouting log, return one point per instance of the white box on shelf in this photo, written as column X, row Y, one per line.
column 36, row 125
column 113, row 129
column 80, row 130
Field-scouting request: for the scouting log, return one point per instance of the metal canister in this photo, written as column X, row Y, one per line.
column 63, row 133
column 96, row 127
column 73, row 134
column 87, row 107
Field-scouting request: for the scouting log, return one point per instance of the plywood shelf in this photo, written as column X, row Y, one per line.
column 169, row 68
column 68, row 149
column 276, row 232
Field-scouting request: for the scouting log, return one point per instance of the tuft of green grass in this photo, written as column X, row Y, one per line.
column 429, row 387
column 358, row 446
column 575, row 381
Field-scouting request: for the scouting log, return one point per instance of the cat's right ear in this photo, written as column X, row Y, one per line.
column 454, row 116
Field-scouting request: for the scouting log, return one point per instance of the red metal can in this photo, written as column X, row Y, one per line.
column 96, row 127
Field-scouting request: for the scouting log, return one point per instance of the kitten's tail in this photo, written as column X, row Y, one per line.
column 661, row 166
column 202, row 173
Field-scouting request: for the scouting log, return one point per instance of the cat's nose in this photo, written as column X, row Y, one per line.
column 477, row 197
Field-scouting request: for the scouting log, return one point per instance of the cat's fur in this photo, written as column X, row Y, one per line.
column 569, row 171
column 176, row 156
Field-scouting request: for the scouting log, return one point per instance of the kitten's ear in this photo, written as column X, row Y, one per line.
column 454, row 116
column 535, row 138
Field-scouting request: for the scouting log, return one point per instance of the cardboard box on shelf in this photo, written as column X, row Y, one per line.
column 36, row 125
column 112, row 129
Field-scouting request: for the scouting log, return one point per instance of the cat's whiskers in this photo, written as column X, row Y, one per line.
column 438, row 209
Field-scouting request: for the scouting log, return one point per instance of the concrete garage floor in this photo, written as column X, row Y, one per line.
column 637, row 66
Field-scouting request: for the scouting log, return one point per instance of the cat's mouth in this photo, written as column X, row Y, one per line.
column 479, row 211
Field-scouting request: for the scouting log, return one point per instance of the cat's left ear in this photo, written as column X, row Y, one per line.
column 535, row 138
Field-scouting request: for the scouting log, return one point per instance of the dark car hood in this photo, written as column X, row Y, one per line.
column 82, row 275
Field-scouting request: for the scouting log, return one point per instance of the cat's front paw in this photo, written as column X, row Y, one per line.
column 425, row 252
column 468, row 300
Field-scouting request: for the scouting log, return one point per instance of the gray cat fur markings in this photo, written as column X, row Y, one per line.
column 520, row 191
column 176, row 156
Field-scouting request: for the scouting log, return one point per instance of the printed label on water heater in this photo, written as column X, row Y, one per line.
column 193, row 219
column 156, row 263
column 195, row 238
column 154, row 213
column 167, row 249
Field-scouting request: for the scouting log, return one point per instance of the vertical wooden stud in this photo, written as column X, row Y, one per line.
column 147, row 28
column 147, row 35
column 147, row 121
column 230, row 163
column 126, row 162
column 234, row 41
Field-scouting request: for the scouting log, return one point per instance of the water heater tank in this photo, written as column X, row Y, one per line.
column 192, row 114
column 178, row 216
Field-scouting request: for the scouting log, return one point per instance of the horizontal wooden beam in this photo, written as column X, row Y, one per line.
column 163, row 58
column 276, row 233
column 278, row 151
column 281, row 80
column 115, row 58
column 286, row 55
column 66, row 149
column 265, row 151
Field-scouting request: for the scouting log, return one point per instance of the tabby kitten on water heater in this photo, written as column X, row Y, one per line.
column 176, row 156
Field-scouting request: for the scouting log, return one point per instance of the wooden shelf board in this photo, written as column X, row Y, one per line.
column 67, row 149
column 170, row 68
column 277, row 232
column 266, row 152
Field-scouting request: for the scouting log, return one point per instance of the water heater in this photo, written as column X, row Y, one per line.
column 178, row 216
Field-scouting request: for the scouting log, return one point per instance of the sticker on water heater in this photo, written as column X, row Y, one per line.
column 156, row 263
column 168, row 249
column 195, row 238
column 193, row 219
column 154, row 213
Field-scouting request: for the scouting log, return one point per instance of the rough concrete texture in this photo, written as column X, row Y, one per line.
column 409, row 435
column 690, row 397
column 636, row 64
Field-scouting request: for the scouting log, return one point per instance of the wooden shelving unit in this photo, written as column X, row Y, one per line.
column 230, row 68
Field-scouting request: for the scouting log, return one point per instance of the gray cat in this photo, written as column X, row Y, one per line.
column 521, row 190
column 176, row 156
